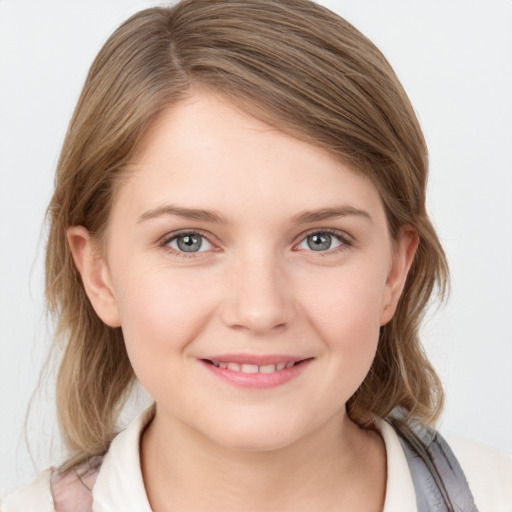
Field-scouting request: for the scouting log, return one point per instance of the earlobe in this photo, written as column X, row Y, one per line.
column 95, row 275
column 403, row 256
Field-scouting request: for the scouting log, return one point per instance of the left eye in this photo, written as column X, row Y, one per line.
column 320, row 241
column 189, row 242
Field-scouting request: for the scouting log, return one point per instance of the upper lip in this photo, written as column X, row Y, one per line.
column 259, row 360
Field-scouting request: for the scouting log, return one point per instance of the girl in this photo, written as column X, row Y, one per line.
column 239, row 224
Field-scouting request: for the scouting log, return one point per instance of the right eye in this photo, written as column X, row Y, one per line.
column 188, row 242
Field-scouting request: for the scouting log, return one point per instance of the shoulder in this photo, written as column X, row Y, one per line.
column 111, row 482
column 35, row 497
column 55, row 492
column 488, row 471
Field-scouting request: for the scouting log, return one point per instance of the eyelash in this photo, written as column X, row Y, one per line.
column 346, row 242
column 166, row 240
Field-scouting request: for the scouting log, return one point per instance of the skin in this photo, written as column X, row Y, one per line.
column 255, row 287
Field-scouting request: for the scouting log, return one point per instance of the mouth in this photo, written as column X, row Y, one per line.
column 258, row 372
column 253, row 368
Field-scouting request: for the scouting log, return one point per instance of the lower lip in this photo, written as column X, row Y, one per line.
column 258, row 380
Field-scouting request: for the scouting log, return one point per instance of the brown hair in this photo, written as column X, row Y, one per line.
column 294, row 65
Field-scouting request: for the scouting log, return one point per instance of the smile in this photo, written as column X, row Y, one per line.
column 257, row 372
column 254, row 368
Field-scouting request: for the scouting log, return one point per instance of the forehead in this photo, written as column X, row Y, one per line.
column 206, row 152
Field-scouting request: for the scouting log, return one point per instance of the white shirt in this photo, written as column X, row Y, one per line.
column 120, row 488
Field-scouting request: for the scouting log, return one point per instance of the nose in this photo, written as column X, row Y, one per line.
column 258, row 297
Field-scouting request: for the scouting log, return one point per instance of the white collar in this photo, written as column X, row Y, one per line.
column 120, row 486
column 400, row 494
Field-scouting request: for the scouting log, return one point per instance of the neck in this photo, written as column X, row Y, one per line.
column 327, row 470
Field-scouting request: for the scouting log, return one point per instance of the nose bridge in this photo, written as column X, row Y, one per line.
column 259, row 298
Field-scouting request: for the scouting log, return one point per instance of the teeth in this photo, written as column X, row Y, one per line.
column 253, row 368
column 249, row 368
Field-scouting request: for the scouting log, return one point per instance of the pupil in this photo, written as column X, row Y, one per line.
column 189, row 243
column 319, row 241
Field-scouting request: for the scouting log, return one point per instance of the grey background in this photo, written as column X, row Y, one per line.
column 454, row 58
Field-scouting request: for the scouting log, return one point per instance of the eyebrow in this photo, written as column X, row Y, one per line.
column 330, row 213
column 186, row 213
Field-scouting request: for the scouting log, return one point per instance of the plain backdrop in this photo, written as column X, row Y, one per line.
column 454, row 58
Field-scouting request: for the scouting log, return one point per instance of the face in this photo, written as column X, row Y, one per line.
column 250, row 273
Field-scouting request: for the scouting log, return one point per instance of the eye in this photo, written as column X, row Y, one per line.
column 321, row 241
column 189, row 242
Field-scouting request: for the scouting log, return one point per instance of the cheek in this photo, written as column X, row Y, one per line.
column 347, row 303
column 161, row 313
column 345, row 313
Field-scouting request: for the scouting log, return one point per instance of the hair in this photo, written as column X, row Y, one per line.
column 294, row 65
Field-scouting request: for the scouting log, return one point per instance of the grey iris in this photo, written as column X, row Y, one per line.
column 189, row 243
column 319, row 241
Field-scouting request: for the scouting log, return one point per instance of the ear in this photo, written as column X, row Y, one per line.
column 95, row 275
column 402, row 258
